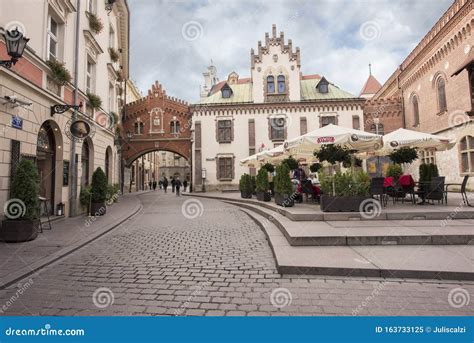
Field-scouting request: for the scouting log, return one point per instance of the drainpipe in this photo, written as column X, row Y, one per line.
column 73, row 181
column 403, row 99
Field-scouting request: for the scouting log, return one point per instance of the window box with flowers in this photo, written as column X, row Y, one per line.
column 114, row 55
column 95, row 23
column 59, row 73
column 94, row 101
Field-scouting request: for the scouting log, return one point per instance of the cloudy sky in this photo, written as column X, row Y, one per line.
column 173, row 41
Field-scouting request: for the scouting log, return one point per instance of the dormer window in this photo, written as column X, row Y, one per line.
column 323, row 86
column 270, row 84
column 281, row 84
column 226, row 91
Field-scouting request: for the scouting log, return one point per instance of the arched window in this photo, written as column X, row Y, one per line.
column 174, row 125
column 416, row 112
column 466, row 150
column 138, row 126
column 442, row 95
column 377, row 129
column 281, row 84
column 270, row 84
column 108, row 157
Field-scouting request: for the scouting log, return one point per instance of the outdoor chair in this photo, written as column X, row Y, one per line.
column 407, row 184
column 377, row 189
column 436, row 190
column 463, row 192
column 396, row 192
column 307, row 189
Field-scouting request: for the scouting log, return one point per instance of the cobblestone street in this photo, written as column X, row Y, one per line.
column 206, row 258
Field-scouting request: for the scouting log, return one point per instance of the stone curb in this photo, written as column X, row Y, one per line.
column 44, row 262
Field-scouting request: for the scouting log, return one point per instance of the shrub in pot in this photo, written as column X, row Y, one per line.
column 98, row 192
column 291, row 163
column 269, row 167
column 404, row 155
column 263, row 185
column 245, row 186
column 395, row 171
column 85, row 198
column 22, row 211
column 283, row 187
column 350, row 191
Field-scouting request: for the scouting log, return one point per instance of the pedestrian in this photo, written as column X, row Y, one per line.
column 173, row 184
column 160, row 183
column 177, row 185
column 149, row 185
column 165, row 184
column 154, row 185
column 185, row 185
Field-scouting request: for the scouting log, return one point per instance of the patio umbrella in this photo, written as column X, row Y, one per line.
column 402, row 138
column 253, row 161
column 333, row 134
column 280, row 153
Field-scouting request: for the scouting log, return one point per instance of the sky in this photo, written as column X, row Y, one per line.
column 173, row 41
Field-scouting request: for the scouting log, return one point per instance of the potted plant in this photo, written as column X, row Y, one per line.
column 245, row 186
column 315, row 167
column 344, row 192
column 95, row 23
column 395, row 171
column 114, row 55
column 85, row 198
column 404, row 155
column 22, row 211
column 269, row 167
column 93, row 101
column 283, row 186
column 263, row 185
column 98, row 192
column 291, row 163
column 253, row 184
column 59, row 74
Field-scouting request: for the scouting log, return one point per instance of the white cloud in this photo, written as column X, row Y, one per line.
column 327, row 31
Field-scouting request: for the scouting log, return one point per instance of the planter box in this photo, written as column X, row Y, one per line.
column 246, row 195
column 264, row 196
column 19, row 230
column 341, row 203
column 98, row 209
column 284, row 200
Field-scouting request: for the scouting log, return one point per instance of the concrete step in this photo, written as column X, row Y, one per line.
column 312, row 212
column 401, row 262
column 349, row 233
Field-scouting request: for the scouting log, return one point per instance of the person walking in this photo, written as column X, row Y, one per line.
column 177, row 185
column 173, row 184
column 185, row 185
column 165, row 184
column 154, row 185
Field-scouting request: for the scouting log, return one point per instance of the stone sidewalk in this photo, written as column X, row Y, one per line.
column 19, row 260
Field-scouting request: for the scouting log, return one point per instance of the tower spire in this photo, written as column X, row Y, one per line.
column 370, row 69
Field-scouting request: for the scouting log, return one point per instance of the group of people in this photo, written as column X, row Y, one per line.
column 176, row 185
column 302, row 185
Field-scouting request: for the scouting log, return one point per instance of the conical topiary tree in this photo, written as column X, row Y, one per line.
column 262, row 180
column 99, row 186
column 25, row 187
column 283, row 182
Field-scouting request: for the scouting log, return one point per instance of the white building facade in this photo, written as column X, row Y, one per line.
column 102, row 67
column 238, row 117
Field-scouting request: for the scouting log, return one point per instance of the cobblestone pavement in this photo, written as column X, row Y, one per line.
column 184, row 256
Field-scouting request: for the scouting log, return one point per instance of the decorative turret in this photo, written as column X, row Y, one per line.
column 210, row 80
column 371, row 86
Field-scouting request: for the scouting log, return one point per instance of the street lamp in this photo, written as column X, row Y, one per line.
column 16, row 44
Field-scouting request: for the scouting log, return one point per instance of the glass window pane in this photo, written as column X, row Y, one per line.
column 471, row 142
column 53, row 27
column 463, row 144
column 464, row 163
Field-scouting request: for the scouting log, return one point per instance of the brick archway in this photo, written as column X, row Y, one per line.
column 156, row 122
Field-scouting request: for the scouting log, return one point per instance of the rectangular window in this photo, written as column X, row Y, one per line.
column 225, row 168
column 356, row 122
column 90, row 76
column 111, row 37
column 428, row 157
column 326, row 120
column 224, row 131
column 52, row 39
column 111, row 98
column 277, row 129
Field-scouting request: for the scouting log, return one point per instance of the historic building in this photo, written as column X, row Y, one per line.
column 30, row 88
column 239, row 116
column 157, row 133
column 432, row 91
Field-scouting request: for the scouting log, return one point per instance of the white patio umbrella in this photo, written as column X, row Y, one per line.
column 280, row 153
column 333, row 134
column 253, row 161
column 402, row 138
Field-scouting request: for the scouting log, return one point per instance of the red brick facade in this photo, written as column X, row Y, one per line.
column 156, row 122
